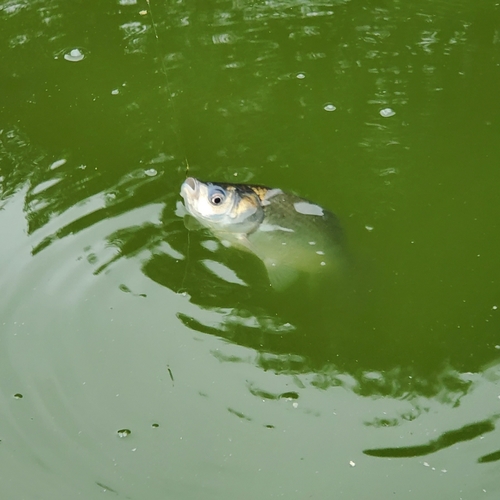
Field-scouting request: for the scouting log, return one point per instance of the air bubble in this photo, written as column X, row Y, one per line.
column 329, row 107
column 387, row 112
column 74, row 55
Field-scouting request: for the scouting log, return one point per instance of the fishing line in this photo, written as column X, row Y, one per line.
column 176, row 119
column 168, row 88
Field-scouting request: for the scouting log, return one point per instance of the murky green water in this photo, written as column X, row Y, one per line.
column 128, row 369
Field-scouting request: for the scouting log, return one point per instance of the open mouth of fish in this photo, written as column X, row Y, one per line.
column 189, row 187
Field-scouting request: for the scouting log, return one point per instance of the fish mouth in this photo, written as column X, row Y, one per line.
column 191, row 182
column 189, row 188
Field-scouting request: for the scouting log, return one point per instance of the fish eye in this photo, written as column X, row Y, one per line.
column 217, row 197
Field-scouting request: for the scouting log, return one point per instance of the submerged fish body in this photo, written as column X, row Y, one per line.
column 289, row 234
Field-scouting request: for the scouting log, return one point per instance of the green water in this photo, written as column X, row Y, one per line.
column 128, row 369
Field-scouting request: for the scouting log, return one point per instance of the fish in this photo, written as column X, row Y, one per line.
column 289, row 234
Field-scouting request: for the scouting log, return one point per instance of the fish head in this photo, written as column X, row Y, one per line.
column 227, row 208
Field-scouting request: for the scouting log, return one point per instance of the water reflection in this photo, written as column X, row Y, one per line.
column 445, row 440
column 322, row 333
column 300, row 331
column 334, row 338
column 305, row 93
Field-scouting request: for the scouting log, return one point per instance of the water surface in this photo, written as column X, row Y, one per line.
column 129, row 368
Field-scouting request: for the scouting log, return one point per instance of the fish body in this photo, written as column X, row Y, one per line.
column 289, row 234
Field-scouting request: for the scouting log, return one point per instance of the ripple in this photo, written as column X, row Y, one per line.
column 93, row 329
column 224, row 38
